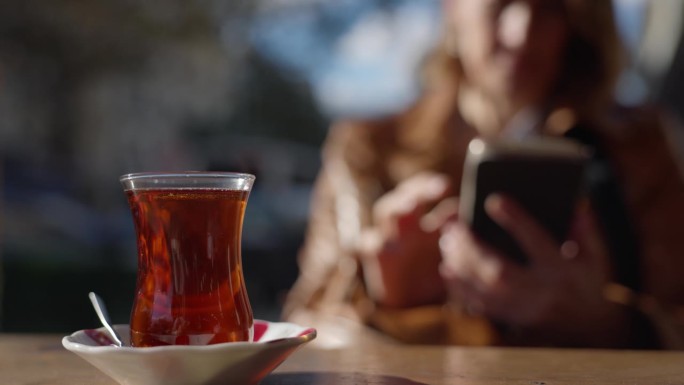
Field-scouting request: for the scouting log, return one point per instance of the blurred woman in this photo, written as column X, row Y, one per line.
column 385, row 246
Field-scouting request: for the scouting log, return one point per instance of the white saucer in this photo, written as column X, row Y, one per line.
column 226, row 363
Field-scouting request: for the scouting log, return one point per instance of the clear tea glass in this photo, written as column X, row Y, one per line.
column 190, row 287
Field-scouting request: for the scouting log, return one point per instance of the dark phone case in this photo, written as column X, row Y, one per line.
column 546, row 187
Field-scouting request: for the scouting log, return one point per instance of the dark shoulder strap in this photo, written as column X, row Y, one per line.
column 606, row 195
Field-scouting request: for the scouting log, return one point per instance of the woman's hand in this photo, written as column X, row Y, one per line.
column 557, row 297
column 400, row 255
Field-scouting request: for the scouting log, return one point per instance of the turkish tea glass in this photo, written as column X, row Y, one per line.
column 190, row 286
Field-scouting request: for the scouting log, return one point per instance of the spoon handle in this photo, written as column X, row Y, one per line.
column 102, row 314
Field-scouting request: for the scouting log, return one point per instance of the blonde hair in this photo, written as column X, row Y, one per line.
column 592, row 63
column 584, row 91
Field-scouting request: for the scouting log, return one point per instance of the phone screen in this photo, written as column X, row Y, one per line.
column 546, row 186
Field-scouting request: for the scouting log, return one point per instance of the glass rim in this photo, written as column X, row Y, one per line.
column 185, row 174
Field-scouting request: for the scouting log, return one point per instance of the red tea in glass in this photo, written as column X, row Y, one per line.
column 190, row 287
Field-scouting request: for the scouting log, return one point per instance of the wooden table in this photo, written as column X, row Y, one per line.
column 350, row 355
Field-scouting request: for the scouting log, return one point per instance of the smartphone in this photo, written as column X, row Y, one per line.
column 545, row 176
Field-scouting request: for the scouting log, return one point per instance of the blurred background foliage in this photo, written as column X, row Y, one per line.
column 90, row 90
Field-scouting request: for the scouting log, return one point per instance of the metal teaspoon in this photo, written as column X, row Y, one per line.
column 102, row 314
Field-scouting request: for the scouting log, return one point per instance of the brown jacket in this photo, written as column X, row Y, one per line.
column 364, row 160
